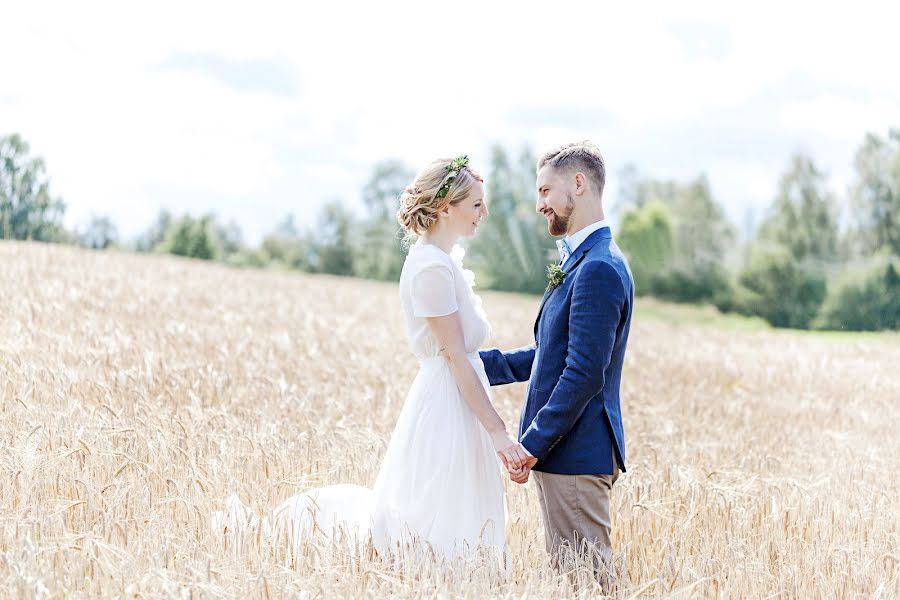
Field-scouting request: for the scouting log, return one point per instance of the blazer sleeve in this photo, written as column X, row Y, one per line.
column 508, row 367
column 598, row 299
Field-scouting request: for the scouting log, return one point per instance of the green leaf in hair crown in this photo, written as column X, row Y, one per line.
column 453, row 169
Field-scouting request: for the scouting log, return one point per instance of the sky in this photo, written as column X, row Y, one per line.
column 257, row 110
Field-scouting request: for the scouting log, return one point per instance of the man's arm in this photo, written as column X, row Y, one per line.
column 508, row 367
column 597, row 302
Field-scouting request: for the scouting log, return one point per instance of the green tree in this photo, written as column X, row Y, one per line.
column 778, row 288
column 100, row 234
column 804, row 217
column 867, row 300
column 645, row 236
column 379, row 253
column 512, row 249
column 699, row 238
column 194, row 238
column 876, row 193
column 702, row 238
column 285, row 247
column 27, row 211
column 155, row 234
column 332, row 251
column 636, row 190
column 204, row 242
column 784, row 281
column 230, row 238
column 382, row 191
column 702, row 233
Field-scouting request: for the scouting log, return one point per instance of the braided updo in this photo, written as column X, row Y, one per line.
column 419, row 204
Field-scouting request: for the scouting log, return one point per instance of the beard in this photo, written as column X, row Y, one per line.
column 559, row 224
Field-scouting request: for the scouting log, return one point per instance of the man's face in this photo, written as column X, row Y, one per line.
column 554, row 200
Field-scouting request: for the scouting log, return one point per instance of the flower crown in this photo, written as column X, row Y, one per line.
column 456, row 165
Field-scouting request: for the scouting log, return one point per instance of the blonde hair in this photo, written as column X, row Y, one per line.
column 419, row 204
column 581, row 156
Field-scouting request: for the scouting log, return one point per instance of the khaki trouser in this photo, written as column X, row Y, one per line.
column 575, row 509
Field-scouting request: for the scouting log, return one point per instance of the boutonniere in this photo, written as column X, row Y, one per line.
column 555, row 276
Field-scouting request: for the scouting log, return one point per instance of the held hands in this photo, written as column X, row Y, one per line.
column 513, row 456
column 521, row 475
column 508, row 449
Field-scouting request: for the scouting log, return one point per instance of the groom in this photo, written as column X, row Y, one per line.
column 571, row 425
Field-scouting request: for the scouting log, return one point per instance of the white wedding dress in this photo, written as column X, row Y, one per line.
column 440, row 486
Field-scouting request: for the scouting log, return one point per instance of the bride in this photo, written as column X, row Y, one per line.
column 440, row 485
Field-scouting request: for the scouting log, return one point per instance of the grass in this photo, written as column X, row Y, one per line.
column 137, row 392
column 709, row 316
column 691, row 315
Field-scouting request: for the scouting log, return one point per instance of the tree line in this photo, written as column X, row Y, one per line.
column 804, row 266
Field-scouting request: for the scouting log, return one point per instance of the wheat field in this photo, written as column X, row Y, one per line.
column 139, row 391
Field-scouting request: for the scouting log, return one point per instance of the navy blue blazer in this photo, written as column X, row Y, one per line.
column 572, row 419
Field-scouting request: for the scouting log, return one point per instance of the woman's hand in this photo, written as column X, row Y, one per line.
column 509, row 450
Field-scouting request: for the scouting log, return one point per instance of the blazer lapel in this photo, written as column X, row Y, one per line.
column 603, row 233
column 547, row 295
column 600, row 234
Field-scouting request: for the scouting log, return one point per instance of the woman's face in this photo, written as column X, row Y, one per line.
column 465, row 216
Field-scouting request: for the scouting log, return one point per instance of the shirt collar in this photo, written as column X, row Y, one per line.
column 575, row 239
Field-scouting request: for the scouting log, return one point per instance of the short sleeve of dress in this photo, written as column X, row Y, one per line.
column 433, row 292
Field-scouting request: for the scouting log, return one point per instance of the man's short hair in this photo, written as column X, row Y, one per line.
column 581, row 156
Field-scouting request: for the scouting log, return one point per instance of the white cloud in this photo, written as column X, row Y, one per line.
column 839, row 117
column 257, row 110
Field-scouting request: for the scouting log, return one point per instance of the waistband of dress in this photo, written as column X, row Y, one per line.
column 440, row 358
